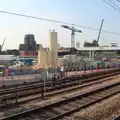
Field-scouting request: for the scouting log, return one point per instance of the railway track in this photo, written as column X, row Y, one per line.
column 71, row 79
column 67, row 105
column 11, row 97
column 25, row 96
column 117, row 118
column 83, row 78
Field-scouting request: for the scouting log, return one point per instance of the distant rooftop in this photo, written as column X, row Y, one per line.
column 8, row 57
column 100, row 48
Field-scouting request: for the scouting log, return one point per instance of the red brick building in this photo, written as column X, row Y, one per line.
column 28, row 54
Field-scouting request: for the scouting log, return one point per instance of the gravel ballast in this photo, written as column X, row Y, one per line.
column 105, row 110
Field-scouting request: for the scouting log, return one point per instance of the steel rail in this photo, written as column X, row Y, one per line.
column 50, row 94
column 23, row 94
column 13, row 97
column 65, row 79
column 117, row 118
column 7, row 91
column 110, row 89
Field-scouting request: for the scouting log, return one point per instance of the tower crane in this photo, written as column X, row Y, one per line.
column 73, row 30
column 2, row 44
column 99, row 32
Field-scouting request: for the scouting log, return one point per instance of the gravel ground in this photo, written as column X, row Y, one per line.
column 55, row 99
column 73, row 93
column 105, row 110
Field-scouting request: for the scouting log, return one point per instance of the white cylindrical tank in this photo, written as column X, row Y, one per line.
column 53, row 41
column 53, row 47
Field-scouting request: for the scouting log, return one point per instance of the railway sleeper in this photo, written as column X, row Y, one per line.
column 58, row 110
column 49, row 113
column 73, row 104
column 87, row 100
column 105, row 92
column 108, row 92
column 42, row 116
column 93, row 98
column 66, row 107
column 98, row 95
column 79, row 102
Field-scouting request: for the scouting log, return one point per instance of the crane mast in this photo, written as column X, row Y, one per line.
column 72, row 38
column 100, row 31
column 73, row 30
column 2, row 44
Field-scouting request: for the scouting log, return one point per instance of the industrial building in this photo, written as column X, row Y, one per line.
column 7, row 59
column 30, row 43
column 29, row 48
column 47, row 57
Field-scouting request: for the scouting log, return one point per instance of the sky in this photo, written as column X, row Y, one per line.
column 81, row 12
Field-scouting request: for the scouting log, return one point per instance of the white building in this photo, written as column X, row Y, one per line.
column 8, row 57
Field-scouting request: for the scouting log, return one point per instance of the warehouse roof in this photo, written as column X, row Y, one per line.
column 8, row 57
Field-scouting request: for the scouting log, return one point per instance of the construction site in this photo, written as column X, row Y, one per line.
column 75, row 76
column 33, row 56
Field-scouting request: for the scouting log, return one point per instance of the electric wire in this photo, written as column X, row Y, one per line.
column 118, row 0
column 39, row 18
column 55, row 21
column 113, row 3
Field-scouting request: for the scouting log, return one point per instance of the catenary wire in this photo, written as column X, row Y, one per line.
column 118, row 0
column 55, row 21
column 111, row 5
column 114, row 4
column 39, row 18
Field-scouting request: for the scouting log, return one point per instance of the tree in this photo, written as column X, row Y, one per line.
column 87, row 44
column 118, row 52
column 93, row 44
column 12, row 52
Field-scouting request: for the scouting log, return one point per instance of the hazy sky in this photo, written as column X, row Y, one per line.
column 82, row 12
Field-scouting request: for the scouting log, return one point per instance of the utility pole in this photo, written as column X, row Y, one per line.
column 100, row 31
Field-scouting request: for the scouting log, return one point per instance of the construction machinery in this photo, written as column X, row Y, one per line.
column 99, row 32
column 73, row 30
column 2, row 44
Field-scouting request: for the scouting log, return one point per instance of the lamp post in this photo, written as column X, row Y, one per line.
column 44, row 78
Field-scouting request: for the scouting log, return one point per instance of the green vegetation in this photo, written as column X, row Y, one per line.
column 93, row 44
